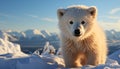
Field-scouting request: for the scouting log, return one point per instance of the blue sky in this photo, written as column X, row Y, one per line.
column 20, row 15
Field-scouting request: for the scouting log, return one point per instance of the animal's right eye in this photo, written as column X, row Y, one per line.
column 83, row 22
column 71, row 22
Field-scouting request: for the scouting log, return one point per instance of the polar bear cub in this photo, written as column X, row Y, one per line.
column 83, row 42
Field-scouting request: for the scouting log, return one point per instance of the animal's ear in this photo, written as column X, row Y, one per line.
column 93, row 11
column 60, row 12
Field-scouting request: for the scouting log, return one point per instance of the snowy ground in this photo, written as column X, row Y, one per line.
column 11, row 57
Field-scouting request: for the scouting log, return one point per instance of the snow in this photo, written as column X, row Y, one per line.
column 8, row 49
column 16, row 34
column 115, row 56
column 111, row 34
column 31, row 33
column 48, row 49
column 46, row 33
column 3, row 35
column 11, row 57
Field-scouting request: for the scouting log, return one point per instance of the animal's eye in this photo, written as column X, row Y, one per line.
column 71, row 22
column 83, row 22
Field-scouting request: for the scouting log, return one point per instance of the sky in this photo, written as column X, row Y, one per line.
column 20, row 15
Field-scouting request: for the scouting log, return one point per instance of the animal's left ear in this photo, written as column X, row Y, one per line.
column 93, row 11
column 60, row 12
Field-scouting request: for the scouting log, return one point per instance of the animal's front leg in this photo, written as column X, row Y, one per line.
column 94, row 58
column 71, row 61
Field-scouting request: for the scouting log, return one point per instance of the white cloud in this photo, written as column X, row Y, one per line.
column 115, row 10
column 6, row 15
column 110, row 17
column 49, row 19
column 114, row 17
column 111, row 21
column 34, row 16
column 110, row 25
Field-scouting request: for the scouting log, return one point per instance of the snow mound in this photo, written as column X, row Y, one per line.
column 48, row 61
column 113, row 62
column 115, row 56
column 48, row 49
column 32, row 62
column 8, row 48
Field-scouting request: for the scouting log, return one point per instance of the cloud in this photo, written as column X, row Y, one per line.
column 115, row 10
column 6, row 15
column 110, row 17
column 33, row 16
column 111, row 21
column 110, row 25
column 113, row 17
column 49, row 19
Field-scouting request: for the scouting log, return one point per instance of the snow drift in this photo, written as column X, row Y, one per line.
column 11, row 57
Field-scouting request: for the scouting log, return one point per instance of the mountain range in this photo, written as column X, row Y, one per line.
column 34, row 37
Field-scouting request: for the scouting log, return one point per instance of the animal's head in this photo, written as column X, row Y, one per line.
column 77, row 21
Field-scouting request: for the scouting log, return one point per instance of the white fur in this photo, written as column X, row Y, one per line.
column 87, row 49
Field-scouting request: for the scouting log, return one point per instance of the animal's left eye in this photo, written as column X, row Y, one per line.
column 71, row 22
column 83, row 22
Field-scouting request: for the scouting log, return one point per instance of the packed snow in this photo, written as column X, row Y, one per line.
column 48, row 49
column 8, row 48
column 11, row 57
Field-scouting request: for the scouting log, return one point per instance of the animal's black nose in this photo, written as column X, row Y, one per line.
column 77, row 32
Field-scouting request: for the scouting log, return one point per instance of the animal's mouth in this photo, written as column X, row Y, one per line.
column 77, row 35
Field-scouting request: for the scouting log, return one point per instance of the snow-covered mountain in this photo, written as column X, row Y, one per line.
column 17, row 34
column 35, row 37
column 45, row 33
column 113, row 35
column 3, row 35
column 31, row 33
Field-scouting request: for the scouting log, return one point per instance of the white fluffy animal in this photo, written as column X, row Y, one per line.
column 83, row 42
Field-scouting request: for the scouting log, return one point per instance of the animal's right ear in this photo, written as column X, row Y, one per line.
column 93, row 11
column 60, row 12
